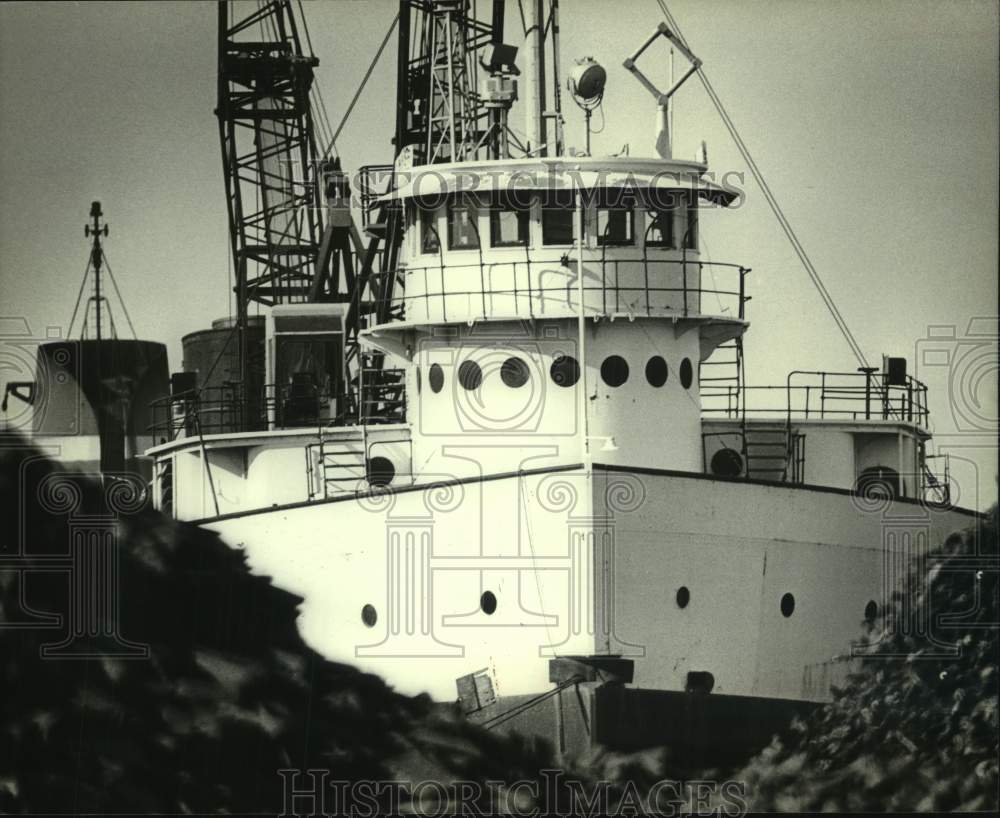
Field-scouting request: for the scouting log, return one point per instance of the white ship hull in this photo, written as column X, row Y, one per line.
column 585, row 562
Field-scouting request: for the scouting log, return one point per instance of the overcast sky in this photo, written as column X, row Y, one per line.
column 875, row 124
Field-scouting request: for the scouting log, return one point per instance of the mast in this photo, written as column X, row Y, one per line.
column 96, row 257
column 534, row 68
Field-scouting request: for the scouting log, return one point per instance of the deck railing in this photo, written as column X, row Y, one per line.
column 684, row 280
column 230, row 409
column 823, row 396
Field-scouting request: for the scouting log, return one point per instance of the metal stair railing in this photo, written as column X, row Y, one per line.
column 333, row 462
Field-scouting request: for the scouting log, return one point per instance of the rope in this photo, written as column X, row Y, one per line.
column 79, row 296
column 121, row 300
column 361, row 87
column 772, row 201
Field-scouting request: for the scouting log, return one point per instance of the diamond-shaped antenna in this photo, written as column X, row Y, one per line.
column 663, row 137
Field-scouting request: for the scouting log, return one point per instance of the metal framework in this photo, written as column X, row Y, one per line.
column 439, row 111
column 286, row 202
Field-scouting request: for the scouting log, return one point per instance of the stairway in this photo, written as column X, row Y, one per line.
column 766, row 451
column 339, row 464
column 721, row 377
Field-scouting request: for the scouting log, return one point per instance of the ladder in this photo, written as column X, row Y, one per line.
column 335, row 465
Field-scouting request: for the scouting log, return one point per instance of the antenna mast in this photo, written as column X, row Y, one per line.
column 96, row 230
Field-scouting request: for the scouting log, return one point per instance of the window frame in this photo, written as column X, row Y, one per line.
column 427, row 221
column 469, row 203
column 670, row 243
column 504, row 205
column 629, row 211
column 549, row 204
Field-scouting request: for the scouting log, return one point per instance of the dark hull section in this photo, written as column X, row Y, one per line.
column 700, row 730
column 102, row 388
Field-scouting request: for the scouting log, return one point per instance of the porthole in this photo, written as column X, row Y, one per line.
column 565, row 370
column 687, row 373
column 514, row 372
column 683, row 597
column 726, row 463
column 436, row 378
column 787, row 605
column 871, row 610
column 656, row 371
column 380, row 471
column 488, row 602
column 470, row 376
column 614, row 370
column 369, row 616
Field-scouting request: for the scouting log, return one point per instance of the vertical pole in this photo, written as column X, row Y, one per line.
column 556, row 90
column 543, row 124
column 95, row 259
column 403, row 90
column 581, row 327
column 532, row 56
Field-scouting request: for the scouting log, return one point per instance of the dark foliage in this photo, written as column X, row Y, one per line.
column 228, row 695
column 914, row 732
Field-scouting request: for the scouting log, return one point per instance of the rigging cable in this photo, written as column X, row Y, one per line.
column 79, row 296
column 771, row 200
column 361, row 87
column 121, row 300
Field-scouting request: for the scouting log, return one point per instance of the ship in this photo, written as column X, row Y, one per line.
column 89, row 404
column 490, row 419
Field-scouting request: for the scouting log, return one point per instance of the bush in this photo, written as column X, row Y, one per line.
column 914, row 733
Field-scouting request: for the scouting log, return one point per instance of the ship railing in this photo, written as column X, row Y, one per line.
column 823, row 396
column 935, row 478
column 229, row 409
column 683, row 281
column 211, row 410
column 339, row 462
column 373, row 182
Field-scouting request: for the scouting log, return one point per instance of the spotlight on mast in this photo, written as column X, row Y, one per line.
column 586, row 84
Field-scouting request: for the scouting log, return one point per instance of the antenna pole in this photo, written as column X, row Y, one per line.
column 96, row 230
column 533, row 61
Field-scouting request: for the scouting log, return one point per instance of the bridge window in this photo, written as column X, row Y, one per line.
column 462, row 232
column 429, row 242
column 615, row 226
column 508, row 225
column 660, row 230
column 559, row 218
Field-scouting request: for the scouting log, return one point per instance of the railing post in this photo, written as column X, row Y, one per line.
column 868, row 370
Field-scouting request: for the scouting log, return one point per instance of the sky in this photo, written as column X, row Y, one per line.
column 874, row 123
